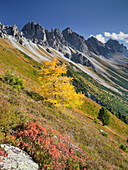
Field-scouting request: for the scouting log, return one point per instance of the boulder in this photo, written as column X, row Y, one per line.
column 14, row 158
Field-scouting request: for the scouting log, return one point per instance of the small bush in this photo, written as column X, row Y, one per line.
column 123, row 147
column 34, row 95
column 35, row 72
column 104, row 134
column 11, row 79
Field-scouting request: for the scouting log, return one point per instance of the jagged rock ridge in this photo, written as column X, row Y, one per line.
column 35, row 32
column 11, row 30
column 110, row 47
column 63, row 41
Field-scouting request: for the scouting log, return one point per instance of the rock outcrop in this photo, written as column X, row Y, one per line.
column 114, row 46
column 34, row 32
column 96, row 46
column 79, row 58
column 10, row 30
column 109, row 48
column 13, row 158
column 55, row 39
column 59, row 37
column 75, row 40
column 37, row 34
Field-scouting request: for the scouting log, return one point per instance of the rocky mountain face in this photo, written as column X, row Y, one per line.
column 79, row 58
column 56, row 38
column 67, row 37
column 34, row 32
column 114, row 46
column 96, row 46
column 11, row 30
column 75, row 40
column 64, row 41
column 110, row 47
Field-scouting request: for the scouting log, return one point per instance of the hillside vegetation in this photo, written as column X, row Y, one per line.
column 114, row 102
column 70, row 137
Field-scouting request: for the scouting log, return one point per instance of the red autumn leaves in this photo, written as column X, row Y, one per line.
column 49, row 149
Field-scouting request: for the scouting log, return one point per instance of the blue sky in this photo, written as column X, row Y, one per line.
column 101, row 18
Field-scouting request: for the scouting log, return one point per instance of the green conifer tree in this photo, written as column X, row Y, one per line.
column 104, row 116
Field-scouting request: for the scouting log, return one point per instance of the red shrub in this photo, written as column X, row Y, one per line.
column 49, row 148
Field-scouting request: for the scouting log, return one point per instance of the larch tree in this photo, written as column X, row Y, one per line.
column 56, row 87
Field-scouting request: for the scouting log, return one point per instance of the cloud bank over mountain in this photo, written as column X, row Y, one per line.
column 121, row 36
column 100, row 38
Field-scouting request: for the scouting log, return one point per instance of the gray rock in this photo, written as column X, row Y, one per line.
column 107, row 49
column 75, row 40
column 11, row 30
column 1, row 34
column 16, row 159
column 34, row 32
column 114, row 46
column 96, row 46
column 59, row 37
column 51, row 39
column 79, row 58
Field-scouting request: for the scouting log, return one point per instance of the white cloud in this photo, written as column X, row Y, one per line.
column 100, row 38
column 107, row 34
column 120, row 36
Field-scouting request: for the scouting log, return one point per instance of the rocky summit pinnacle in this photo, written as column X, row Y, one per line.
column 96, row 46
column 114, row 46
column 35, row 32
column 56, row 38
column 10, row 30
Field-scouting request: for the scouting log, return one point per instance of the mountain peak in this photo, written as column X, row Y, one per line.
column 95, row 46
column 58, row 40
column 35, row 32
column 114, row 45
column 95, row 40
column 67, row 30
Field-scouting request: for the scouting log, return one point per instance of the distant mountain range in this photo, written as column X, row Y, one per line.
column 106, row 63
column 63, row 40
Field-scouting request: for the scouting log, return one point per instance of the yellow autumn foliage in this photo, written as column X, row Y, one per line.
column 57, row 88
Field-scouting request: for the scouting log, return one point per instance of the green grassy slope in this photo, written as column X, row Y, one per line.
column 108, row 98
